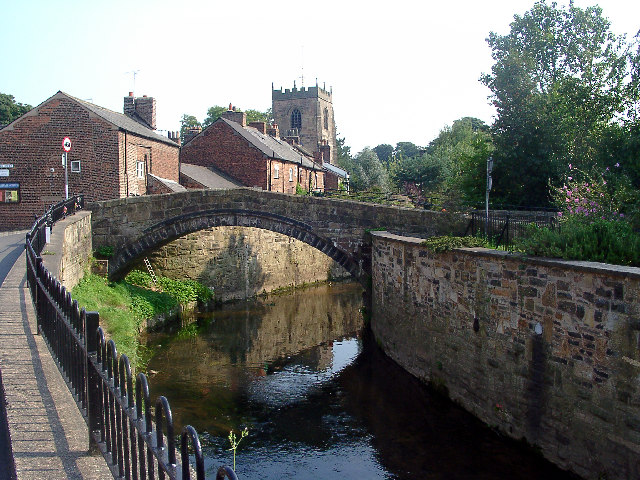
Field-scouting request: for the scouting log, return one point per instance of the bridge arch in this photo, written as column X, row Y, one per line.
column 178, row 226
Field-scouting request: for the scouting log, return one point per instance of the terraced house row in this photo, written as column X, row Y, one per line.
column 115, row 155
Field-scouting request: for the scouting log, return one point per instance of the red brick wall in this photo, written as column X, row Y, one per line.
column 33, row 145
column 221, row 147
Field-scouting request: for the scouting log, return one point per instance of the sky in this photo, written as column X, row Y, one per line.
column 399, row 70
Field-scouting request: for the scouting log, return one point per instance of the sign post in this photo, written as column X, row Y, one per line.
column 66, row 146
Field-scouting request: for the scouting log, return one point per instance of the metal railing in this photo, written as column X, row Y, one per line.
column 503, row 227
column 120, row 420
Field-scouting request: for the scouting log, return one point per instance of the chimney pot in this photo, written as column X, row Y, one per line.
column 131, row 94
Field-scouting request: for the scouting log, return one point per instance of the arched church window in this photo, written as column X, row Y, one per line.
column 296, row 119
column 326, row 119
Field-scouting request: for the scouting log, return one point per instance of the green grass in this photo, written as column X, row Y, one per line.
column 123, row 306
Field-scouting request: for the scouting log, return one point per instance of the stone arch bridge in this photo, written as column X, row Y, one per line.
column 136, row 225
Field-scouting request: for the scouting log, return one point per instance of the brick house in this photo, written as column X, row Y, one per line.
column 252, row 155
column 112, row 155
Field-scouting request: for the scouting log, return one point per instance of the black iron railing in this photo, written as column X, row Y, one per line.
column 503, row 227
column 120, row 421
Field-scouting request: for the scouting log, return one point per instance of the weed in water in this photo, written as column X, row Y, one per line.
column 234, row 441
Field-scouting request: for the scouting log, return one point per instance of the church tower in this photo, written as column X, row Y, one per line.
column 305, row 116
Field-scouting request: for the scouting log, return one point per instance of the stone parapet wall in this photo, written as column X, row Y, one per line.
column 241, row 262
column 542, row 349
column 67, row 254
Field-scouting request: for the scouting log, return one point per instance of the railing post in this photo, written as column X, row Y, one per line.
column 91, row 322
column 39, row 295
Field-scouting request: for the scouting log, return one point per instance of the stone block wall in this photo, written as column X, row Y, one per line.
column 67, row 254
column 240, row 262
column 545, row 350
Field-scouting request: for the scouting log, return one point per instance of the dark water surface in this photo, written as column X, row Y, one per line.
column 319, row 398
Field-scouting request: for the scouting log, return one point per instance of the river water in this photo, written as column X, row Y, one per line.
column 319, row 399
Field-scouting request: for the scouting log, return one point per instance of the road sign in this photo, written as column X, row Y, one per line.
column 66, row 144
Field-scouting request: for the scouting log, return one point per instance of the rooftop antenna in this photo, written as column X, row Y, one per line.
column 135, row 72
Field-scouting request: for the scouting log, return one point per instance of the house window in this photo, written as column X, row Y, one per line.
column 326, row 119
column 140, row 169
column 296, row 119
column 290, row 174
column 276, row 171
column 75, row 166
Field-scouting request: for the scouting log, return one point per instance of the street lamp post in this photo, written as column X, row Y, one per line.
column 486, row 206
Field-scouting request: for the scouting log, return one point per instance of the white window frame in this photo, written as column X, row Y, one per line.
column 291, row 174
column 140, row 169
column 276, row 171
column 75, row 166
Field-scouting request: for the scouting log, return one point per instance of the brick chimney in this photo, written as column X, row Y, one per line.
column 273, row 130
column 129, row 105
column 144, row 107
column 260, row 126
column 190, row 133
column 235, row 116
column 175, row 136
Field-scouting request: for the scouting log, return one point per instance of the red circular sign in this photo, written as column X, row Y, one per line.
column 66, row 144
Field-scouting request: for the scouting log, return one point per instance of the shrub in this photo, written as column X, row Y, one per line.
column 600, row 240
column 447, row 242
column 138, row 277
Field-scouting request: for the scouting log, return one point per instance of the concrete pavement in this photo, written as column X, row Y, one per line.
column 49, row 438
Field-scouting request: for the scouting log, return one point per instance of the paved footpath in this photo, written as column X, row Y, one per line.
column 49, row 437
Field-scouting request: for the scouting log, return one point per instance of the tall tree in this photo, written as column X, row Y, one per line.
column 557, row 82
column 187, row 122
column 10, row 109
column 213, row 114
column 385, row 153
column 406, row 150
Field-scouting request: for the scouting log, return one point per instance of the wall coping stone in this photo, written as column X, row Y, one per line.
column 592, row 267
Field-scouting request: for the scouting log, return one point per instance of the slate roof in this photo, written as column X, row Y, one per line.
column 208, row 176
column 272, row 147
column 338, row 171
column 119, row 120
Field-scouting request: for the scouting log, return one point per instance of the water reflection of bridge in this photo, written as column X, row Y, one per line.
column 209, row 370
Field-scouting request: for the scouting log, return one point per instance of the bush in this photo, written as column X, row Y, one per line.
column 140, row 278
column 601, row 240
column 447, row 242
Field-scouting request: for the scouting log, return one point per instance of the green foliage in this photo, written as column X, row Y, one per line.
column 366, row 171
column 105, row 251
column 188, row 122
column 385, row 153
column 406, row 150
column 122, row 308
column 184, row 291
column 447, row 242
column 454, row 166
column 213, row 113
column 235, row 442
column 300, row 190
column 258, row 116
column 600, row 240
column 559, row 80
column 10, row 109
column 139, row 278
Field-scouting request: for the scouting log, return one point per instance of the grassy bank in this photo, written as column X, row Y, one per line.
column 124, row 306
